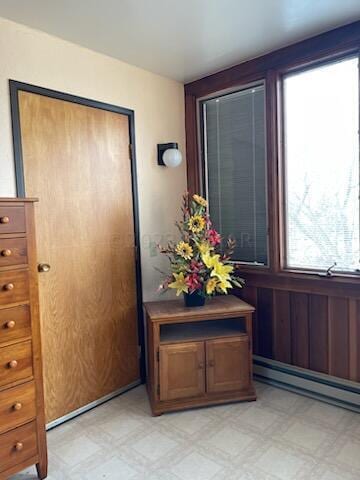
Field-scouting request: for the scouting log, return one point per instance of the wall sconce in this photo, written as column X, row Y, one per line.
column 169, row 155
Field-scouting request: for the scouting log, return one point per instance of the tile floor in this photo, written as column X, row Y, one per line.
column 282, row 436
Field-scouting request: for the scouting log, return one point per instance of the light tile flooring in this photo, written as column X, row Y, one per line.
column 282, row 436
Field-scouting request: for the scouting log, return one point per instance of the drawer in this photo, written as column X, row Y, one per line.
column 14, row 286
column 17, row 406
column 12, row 219
column 15, row 362
column 17, row 446
column 13, row 251
column 15, row 323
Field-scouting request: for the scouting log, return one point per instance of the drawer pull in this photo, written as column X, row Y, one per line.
column 19, row 446
column 6, row 253
column 9, row 286
column 17, row 406
column 4, row 219
column 10, row 324
column 13, row 364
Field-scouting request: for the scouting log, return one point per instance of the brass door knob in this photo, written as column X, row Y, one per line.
column 43, row 267
column 9, row 286
column 6, row 253
column 19, row 446
column 4, row 219
column 17, row 406
column 10, row 324
column 13, row 364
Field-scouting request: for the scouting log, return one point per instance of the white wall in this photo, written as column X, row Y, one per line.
column 34, row 57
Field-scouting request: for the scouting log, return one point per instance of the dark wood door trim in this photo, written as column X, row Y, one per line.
column 15, row 88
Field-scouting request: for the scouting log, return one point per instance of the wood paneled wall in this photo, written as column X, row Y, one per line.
column 308, row 330
column 305, row 319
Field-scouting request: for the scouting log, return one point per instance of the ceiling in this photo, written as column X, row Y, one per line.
column 182, row 39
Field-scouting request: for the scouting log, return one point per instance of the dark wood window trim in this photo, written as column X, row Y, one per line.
column 329, row 46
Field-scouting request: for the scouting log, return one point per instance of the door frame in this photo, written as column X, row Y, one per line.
column 15, row 88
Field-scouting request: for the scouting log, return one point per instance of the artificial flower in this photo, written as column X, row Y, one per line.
column 210, row 260
column 204, row 248
column 179, row 284
column 196, row 266
column 223, row 285
column 211, row 285
column 184, row 250
column 221, row 271
column 200, row 200
column 214, row 237
column 196, row 223
column 193, row 282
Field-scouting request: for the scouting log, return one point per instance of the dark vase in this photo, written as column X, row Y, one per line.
column 194, row 300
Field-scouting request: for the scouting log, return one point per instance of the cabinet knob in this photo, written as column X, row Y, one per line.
column 201, row 365
column 13, row 364
column 19, row 446
column 10, row 324
column 6, row 253
column 17, row 406
column 4, row 219
column 211, row 363
column 9, row 286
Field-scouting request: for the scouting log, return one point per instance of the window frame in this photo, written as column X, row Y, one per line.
column 203, row 170
column 282, row 172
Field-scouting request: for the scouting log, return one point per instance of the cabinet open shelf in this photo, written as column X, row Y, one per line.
column 202, row 330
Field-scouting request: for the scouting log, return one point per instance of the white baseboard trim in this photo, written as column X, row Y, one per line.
column 333, row 390
column 91, row 405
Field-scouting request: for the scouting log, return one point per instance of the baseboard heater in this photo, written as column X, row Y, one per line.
column 333, row 390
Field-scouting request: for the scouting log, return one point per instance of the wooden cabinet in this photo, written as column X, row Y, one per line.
column 228, row 364
column 182, row 370
column 22, row 419
column 199, row 356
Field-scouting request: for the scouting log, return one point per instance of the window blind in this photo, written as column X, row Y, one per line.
column 234, row 150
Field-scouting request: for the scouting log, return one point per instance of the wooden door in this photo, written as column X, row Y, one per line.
column 182, row 370
column 76, row 161
column 227, row 364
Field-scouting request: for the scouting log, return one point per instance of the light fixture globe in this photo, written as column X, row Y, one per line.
column 172, row 157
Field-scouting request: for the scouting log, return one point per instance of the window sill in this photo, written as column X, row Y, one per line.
column 321, row 274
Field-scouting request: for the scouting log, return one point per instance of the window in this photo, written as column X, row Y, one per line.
column 234, row 153
column 321, row 134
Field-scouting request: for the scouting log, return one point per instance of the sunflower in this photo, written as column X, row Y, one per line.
column 200, row 200
column 196, row 223
column 184, row 250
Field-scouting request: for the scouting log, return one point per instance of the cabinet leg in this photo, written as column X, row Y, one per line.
column 42, row 469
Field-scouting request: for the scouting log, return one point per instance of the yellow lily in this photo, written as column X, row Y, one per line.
column 204, row 248
column 210, row 260
column 179, row 284
column 211, row 285
column 223, row 285
column 221, row 271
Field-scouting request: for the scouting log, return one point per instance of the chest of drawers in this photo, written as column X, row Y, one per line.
column 22, row 418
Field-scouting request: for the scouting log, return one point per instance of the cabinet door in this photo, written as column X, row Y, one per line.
column 182, row 370
column 227, row 364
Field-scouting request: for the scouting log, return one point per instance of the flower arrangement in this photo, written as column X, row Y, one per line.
column 198, row 268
